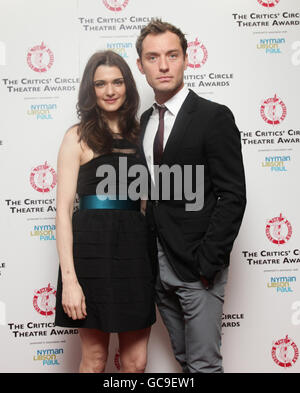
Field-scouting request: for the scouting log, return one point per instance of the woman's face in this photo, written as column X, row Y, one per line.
column 110, row 88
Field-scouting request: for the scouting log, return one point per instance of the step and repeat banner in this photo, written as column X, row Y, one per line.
column 244, row 54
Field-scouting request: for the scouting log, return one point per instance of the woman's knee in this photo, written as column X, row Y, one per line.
column 133, row 350
column 93, row 361
column 133, row 363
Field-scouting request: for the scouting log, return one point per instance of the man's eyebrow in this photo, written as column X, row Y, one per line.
column 151, row 53
column 156, row 53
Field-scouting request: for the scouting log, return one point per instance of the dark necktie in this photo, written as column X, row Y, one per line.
column 158, row 146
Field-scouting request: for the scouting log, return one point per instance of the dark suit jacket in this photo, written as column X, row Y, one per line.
column 199, row 242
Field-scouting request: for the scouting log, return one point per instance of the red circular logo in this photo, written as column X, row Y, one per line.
column 273, row 110
column 285, row 352
column 278, row 230
column 268, row 3
column 40, row 58
column 43, row 178
column 115, row 5
column 197, row 54
column 44, row 300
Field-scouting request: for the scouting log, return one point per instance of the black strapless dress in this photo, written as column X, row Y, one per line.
column 111, row 257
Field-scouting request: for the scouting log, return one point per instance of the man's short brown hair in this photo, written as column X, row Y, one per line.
column 156, row 26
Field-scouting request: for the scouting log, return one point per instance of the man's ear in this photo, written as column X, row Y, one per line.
column 140, row 66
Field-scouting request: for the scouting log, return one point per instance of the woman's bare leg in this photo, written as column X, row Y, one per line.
column 94, row 345
column 133, row 350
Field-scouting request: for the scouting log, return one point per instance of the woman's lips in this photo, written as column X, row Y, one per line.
column 111, row 101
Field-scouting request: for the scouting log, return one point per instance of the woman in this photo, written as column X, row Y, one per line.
column 105, row 281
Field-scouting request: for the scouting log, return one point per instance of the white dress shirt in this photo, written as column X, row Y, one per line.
column 173, row 106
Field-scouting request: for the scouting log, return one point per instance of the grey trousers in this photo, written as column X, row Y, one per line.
column 192, row 316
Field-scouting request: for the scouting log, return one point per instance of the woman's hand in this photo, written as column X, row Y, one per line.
column 73, row 301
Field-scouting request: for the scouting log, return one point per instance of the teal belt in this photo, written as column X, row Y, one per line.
column 93, row 202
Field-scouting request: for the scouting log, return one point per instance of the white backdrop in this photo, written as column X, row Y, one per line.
column 244, row 54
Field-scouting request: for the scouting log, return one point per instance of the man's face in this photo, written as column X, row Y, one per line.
column 163, row 64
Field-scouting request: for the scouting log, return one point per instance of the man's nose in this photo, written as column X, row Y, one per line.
column 163, row 64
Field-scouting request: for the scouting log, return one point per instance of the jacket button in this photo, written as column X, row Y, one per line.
column 156, row 203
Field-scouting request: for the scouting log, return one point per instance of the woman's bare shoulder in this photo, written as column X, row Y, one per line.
column 70, row 143
column 72, row 133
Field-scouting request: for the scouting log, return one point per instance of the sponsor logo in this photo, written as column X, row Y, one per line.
column 120, row 47
column 115, row 5
column 276, row 163
column 285, row 352
column 282, row 284
column 197, row 54
column 42, row 111
column 268, row 3
column 40, row 58
column 43, row 232
column 43, row 178
column 44, row 300
column 270, row 45
column 48, row 357
column 278, row 230
column 273, row 110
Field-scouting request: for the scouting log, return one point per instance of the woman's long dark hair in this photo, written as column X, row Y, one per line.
column 93, row 129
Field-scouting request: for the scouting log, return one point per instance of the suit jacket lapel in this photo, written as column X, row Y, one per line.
column 179, row 129
column 143, row 124
column 144, row 121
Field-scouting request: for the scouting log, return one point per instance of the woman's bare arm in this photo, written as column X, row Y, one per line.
column 67, row 173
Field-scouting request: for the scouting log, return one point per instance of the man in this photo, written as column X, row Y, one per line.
column 193, row 246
